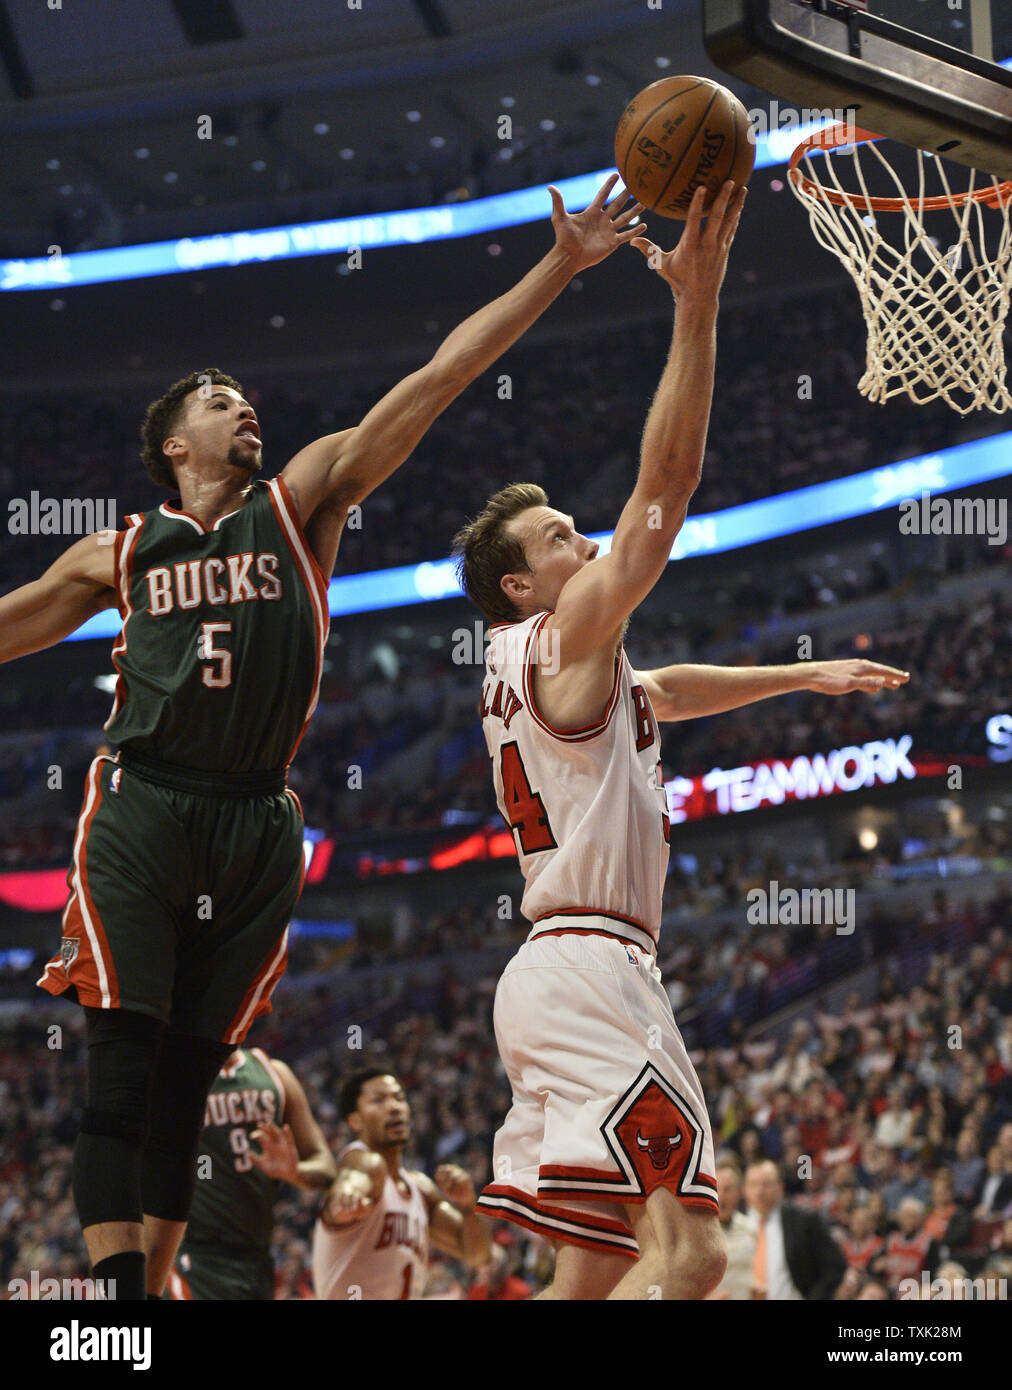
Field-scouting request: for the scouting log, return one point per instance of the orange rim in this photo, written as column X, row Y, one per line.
column 834, row 136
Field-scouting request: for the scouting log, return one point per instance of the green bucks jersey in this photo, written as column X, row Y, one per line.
column 233, row 1205
column 221, row 649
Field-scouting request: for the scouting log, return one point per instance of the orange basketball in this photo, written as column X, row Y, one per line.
column 679, row 133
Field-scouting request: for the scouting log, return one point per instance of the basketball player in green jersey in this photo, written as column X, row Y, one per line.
column 188, row 853
column 226, row 1252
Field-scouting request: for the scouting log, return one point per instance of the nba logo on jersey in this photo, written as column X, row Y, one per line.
column 69, row 947
column 114, row 780
column 630, row 955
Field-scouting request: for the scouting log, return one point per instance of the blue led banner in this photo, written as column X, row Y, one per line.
column 708, row 534
column 319, row 238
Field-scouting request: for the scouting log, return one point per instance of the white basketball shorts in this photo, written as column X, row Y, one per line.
column 606, row 1104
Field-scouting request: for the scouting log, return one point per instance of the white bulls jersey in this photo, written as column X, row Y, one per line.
column 384, row 1255
column 586, row 806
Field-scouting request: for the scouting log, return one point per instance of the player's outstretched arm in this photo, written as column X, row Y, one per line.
column 298, row 1152
column 341, row 470
column 689, row 692
column 81, row 583
column 357, row 1187
column 595, row 602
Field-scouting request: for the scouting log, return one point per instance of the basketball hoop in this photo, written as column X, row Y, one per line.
column 934, row 330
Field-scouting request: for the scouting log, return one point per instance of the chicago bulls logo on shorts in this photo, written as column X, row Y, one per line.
column 659, row 1148
column 656, row 1138
column 657, row 1134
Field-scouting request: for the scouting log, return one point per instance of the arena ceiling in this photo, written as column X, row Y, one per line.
column 99, row 103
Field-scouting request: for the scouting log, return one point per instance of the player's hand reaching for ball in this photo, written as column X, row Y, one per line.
column 697, row 265
column 588, row 236
column 456, row 1186
column 841, row 677
column 278, row 1156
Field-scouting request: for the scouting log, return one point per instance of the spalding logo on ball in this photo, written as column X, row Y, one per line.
column 679, row 133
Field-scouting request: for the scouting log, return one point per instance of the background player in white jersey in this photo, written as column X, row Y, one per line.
column 607, row 1148
column 372, row 1236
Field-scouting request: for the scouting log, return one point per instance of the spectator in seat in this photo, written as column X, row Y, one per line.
column 908, row 1250
column 993, row 1196
column 874, row 1290
column 495, row 1281
column 771, row 1134
column 998, row 1264
column 841, row 1145
column 739, row 1234
column 862, row 1245
column 795, row 1255
column 947, row 1222
column 1004, row 1142
column 968, row 1168
column 951, row 1274
column 843, row 1197
column 909, row 1182
column 894, row 1125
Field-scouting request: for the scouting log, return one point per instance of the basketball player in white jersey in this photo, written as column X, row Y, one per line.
column 371, row 1239
column 607, row 1148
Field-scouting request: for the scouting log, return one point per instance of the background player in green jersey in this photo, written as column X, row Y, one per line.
column 188, row 853
column 226, row 1252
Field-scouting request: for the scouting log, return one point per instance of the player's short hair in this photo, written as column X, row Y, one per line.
column 486, row 550
column 162, row 417
column 351, row 1089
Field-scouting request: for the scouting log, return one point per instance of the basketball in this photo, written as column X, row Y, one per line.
column 679, row 133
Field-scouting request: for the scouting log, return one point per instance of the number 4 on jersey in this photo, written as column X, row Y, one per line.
column 525, row 810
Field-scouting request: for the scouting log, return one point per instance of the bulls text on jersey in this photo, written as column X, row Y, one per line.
column 403, row 1229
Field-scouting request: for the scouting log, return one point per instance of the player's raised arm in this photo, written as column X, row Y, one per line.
column 454, row 1225
column 690, row 692
column 595, row 602
column 78, row 585
column 341, row 469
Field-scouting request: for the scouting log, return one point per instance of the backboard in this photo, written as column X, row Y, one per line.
column 925, row 72
column 983, row 27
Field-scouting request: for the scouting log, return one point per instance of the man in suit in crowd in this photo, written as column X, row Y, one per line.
column 795, row 1255
column 994, row 1190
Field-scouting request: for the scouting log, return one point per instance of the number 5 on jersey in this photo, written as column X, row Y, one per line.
column 207, row 651
column 525, row 810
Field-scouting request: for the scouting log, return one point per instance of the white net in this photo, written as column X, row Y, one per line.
column 933, row 270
